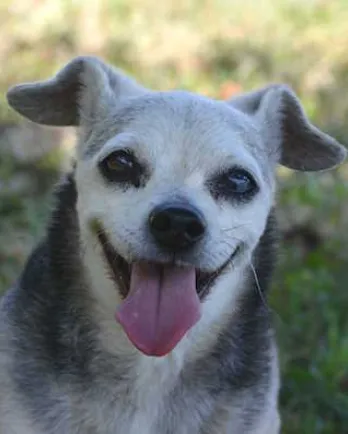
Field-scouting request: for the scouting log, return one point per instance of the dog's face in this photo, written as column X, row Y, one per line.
column 176, row 178
column 173, row 189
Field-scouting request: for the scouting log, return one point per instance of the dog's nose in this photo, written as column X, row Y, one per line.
column 176, row 227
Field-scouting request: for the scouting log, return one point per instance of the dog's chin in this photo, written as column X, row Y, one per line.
column 120, row 269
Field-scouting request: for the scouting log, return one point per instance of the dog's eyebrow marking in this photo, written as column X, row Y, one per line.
column 102, row 133
column 116, row 122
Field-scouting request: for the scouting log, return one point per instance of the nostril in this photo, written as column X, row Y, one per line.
column 161, row 222
column 195, row 229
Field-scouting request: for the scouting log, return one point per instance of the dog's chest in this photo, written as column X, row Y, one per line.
column 144, row 401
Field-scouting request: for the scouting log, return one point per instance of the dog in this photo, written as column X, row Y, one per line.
column 143, row 309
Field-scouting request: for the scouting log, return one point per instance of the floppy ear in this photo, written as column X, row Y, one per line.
column 80, row 91
column 285, row 127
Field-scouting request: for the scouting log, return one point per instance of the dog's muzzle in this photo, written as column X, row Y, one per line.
column 162, row 299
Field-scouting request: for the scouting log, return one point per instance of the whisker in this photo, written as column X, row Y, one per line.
column 226, row 230
column 258, row 287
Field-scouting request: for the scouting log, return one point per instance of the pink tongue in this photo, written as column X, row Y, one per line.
column 162, row 305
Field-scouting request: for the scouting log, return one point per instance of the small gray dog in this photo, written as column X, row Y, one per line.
column 142, row 310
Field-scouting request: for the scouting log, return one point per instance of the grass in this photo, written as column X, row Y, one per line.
column 216, row 47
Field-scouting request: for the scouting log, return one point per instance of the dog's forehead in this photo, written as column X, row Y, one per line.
column 180, row 125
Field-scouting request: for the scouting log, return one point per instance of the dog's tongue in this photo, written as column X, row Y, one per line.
column 162, row 305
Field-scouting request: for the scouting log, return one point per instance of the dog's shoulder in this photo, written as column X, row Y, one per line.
column 17, row 304
column 27, row 382
column 17, row 318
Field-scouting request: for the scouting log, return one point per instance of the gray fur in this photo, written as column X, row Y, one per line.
column 302, row 146
column 65, row 364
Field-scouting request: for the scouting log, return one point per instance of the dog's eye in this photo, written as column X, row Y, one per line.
column 235, row 183
column 120, row 161
column 239, row 181
column 121, row 167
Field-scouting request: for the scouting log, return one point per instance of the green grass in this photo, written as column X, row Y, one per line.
column 215, row 47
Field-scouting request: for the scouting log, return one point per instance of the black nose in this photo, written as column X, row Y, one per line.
column 176, row 227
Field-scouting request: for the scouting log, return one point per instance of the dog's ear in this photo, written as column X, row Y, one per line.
column 79, row 92
column 284, row 126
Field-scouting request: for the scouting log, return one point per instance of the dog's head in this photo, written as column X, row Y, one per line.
column 174, row 189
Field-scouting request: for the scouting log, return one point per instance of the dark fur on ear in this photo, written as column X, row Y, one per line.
column 51, row 102
column 81, row 90
column 285, row 127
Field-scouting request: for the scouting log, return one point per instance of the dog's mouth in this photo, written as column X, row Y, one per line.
column 161, row 302
column 120, row 269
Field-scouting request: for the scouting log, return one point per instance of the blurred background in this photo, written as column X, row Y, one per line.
column 218, row 48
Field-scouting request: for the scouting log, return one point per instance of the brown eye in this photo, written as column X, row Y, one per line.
column 120, row 161
column 121, row 167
